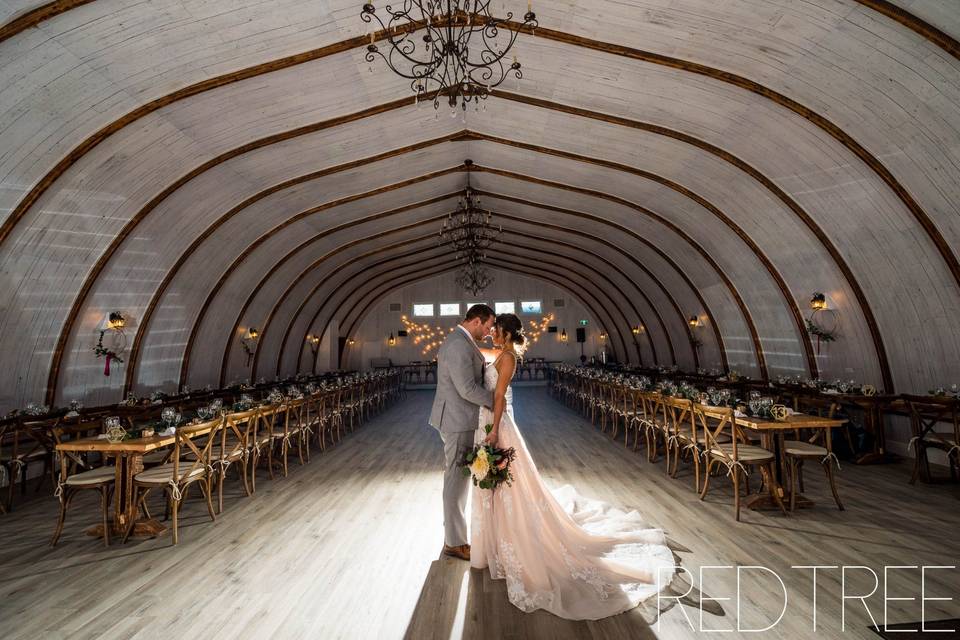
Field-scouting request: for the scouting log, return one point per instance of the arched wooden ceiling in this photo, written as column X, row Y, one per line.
column 190, row 162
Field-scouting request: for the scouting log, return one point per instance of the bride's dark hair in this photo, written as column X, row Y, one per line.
column 509, row 323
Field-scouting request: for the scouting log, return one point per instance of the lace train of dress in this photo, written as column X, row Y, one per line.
column 577, row 558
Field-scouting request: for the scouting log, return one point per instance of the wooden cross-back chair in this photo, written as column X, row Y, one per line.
column 261, row 441
column 23, row 442
column 189, row 464
column 935, row 424
column 682, row 437
column 643, row 419
column 818, row 446
column 732, row 452
column 660, row 426
column 78, row 474
column 234, row 447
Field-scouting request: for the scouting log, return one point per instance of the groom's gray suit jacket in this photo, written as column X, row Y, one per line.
column 460, row 390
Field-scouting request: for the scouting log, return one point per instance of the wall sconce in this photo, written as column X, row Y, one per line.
column 116, row 321
column 603, row 336
column 694, row 322
column 314, row 343
column 391, row 341
column 818, row 302
column 563, row 335
column 249, row 343
column 637, row 329
column 351, row 342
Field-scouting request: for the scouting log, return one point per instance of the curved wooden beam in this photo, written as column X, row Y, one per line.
column 185, row 363
column 532, row 273
column 601, row 221
column 915, row 24
column 370, row 268
column 260, row 195
column 279, row 302
column 373, row 273
column 35, row 16
column 675, row 63
column 460, row 136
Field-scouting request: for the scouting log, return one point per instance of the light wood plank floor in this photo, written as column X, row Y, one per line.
column 348, row 547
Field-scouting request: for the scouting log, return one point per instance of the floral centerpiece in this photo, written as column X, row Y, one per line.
column 489, row 466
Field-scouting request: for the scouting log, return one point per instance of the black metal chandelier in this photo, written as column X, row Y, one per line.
column 460, row 53
column 469, row 230
column 473, row 277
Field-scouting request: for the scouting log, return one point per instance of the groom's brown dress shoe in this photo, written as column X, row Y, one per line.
column 462, row 552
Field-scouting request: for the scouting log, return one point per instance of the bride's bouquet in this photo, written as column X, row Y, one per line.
column 488, row 465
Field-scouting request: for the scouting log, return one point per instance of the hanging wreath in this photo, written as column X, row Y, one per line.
column 111, row 354
column 822, row 324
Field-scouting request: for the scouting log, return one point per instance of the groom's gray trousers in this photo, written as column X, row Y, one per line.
column 456, row 414
column 456, row 487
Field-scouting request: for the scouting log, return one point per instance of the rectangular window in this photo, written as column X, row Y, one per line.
column 505, row 307
column 533, row 306
column 449, row 308
column 423, row 310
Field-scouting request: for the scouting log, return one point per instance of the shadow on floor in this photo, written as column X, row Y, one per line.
column 461, row 603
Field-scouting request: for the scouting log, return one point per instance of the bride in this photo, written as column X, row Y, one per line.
column 577, row 558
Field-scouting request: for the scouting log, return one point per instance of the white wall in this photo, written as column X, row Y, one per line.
column 371, row 336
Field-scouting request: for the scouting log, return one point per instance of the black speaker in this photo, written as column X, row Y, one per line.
column 581, row 334
column 551, row 329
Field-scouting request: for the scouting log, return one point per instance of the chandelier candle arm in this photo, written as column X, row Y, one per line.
column 447, row 62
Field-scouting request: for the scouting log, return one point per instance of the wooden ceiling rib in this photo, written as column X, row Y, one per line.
column 572, row 288
column 268, row 323
column 461, row 136
column 541, row 224
column 52, row 9
column 631, row 53
column 554, row 257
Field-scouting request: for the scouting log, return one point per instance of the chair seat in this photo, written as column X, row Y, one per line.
column 723, row 438
column 156, row 457
column 801, row 449
column 940, row 439
column 746, row 453
column 92, row 478
column 164, row 473
column 233, row 452
column 40, row 454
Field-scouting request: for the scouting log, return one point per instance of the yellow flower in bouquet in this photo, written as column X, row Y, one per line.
column 480, row 466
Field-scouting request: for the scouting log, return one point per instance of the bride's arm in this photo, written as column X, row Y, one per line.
column 505, row 369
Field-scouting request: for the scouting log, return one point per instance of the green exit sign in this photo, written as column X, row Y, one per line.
column 583, row 323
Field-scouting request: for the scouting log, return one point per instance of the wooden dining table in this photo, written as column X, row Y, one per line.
column 129, row 462
column 772, row 434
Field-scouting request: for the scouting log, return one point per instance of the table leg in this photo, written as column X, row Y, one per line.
column 873, row 423
column 124, row 507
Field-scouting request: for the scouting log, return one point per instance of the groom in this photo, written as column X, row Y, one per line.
column 456, row 415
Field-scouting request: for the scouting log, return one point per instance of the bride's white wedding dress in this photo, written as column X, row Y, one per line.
column 577, row 558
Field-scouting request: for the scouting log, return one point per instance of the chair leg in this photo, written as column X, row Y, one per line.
column 793, row 483
column 833, row 484
column 706, row 478
column 174, row 508
column 221, row 477
column 696, row 469
column 64, row 499
column 800, row 475
column 767, row 472
column 253, row 470
column 243, row 476
column 270, row 448
column 105, row 511
column 736, row 492
column 207, row 485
